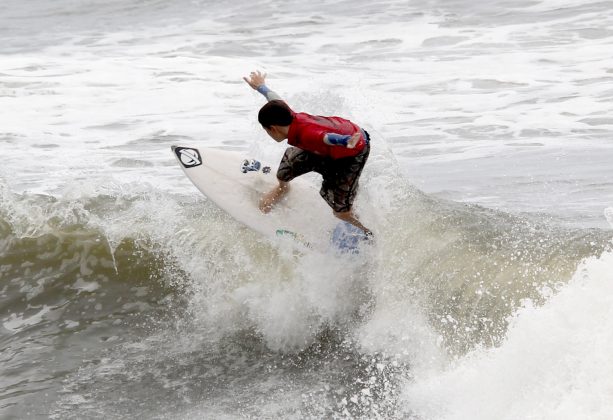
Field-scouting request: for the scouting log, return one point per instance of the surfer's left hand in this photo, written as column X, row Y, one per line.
column 256, row 79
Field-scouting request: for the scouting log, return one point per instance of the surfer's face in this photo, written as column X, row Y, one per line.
column 274, row 132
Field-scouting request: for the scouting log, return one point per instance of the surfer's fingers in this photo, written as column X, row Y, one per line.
column 353, row 140
column 258, row 75
column 250, row 82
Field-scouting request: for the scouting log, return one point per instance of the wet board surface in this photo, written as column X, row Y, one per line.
column 217, row 174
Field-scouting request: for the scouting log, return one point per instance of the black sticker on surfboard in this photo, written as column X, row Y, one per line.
column 188, row 157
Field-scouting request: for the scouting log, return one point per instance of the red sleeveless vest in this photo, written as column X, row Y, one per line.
column 307, row 133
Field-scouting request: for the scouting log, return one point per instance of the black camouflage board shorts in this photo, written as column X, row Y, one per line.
column 340, row 176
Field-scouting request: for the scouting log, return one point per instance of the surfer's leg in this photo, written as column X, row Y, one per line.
column 296, row 162
column 340, row 184
column 349, row 217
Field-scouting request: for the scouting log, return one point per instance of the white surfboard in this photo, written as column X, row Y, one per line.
column 302, row 214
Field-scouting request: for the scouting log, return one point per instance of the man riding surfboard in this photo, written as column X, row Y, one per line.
column 334, row 147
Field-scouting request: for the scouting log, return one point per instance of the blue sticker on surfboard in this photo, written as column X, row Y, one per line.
column 347, row 238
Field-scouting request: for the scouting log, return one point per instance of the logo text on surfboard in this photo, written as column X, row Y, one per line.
column 188, row 157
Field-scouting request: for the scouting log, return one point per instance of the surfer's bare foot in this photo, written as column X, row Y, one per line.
column 349, row 217
column 267, row 202
column 269, row 199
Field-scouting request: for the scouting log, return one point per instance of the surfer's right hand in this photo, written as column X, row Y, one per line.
column 355, row 138
column 269, row 199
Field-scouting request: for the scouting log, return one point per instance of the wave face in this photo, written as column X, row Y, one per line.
column 140, row 295
column 553, row 362
column 124, row 293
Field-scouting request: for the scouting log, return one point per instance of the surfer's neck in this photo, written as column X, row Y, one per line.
column 278, row 132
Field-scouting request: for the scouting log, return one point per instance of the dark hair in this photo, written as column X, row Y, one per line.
column 275, row 113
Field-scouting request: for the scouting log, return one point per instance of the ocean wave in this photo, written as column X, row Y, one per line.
column 121, row 263
column 466, row 268
column 552, row 364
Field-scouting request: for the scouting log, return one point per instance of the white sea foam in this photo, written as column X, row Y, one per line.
column 554, row 363
column 449, row 92
column 507, row 104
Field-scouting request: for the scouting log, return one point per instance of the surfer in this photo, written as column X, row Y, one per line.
column 334, row 147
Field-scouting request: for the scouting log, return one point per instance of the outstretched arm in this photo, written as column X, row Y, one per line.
column 257, row 81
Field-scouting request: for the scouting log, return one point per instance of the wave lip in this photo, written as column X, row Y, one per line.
column 553, row 364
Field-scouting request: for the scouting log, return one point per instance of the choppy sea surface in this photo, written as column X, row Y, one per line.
column 125, row 293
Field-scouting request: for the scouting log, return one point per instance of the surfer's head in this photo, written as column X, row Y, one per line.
column 276, row 117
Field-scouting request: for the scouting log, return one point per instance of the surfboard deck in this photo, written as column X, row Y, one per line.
column 301, row 215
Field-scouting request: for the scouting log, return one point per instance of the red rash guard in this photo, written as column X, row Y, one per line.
column 307, row 133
